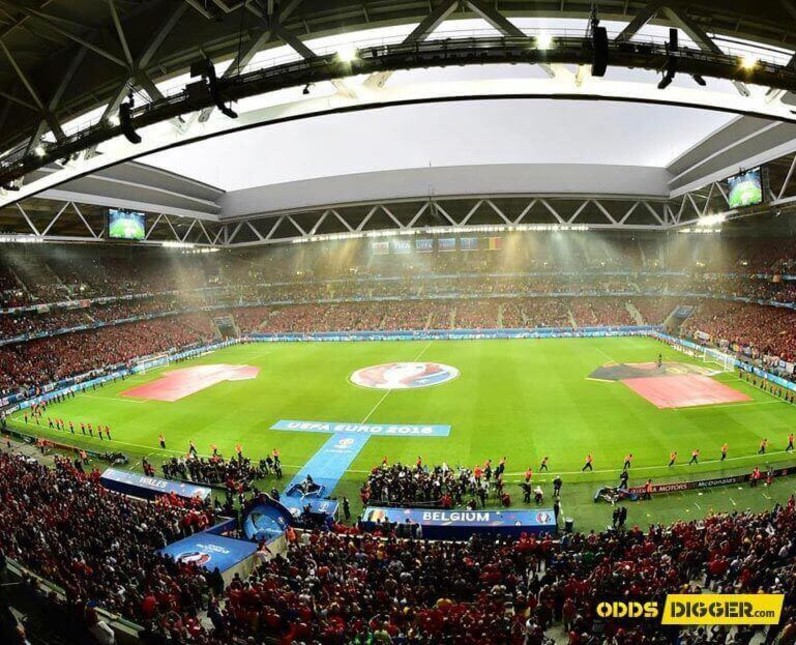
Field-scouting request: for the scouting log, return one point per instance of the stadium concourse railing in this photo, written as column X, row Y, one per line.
column 26, row 590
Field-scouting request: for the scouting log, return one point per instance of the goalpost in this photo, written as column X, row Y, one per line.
column 141, row 365
column 725, row 361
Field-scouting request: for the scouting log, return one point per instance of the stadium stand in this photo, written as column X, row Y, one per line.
column 99, row 547
column 377, row 297
column 344, row 586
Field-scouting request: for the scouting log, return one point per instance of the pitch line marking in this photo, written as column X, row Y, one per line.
column 388, row 392
column 111, row 398
column 607, row 355
column 709, row 406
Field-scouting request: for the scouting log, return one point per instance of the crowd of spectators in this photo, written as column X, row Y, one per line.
column 598, row 280
column 338, row 587
column 343, row 586
column 34, row 363
column 750, row 329
column 46, row 321
column 100, row 547
column 756, row 329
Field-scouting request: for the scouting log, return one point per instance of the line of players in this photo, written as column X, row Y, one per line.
column 673, row 456
column 55, row 423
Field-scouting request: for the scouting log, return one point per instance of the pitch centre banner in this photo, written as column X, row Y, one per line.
column 385, row 430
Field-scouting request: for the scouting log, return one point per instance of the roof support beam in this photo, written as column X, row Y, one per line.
column 160, row 35
column 245, row 57
column 640, row 19
column 22, row 76
column 294, row 43
column 432, row 21
column 788, row 6
column 15, row 99
column 49, row 119
column 54, row 26
column 504, row 26
column 120, row 32
column 496, row 19
column 418, row 34
column 143, row 62
column 698, row 35
column 198, row 7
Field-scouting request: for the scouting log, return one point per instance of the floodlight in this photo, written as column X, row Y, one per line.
column 347, row 53
column 545, row 41
column 749, row 61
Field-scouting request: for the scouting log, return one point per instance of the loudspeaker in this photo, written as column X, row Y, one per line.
column 674, row 42
column 126, row 120
column 600, row 59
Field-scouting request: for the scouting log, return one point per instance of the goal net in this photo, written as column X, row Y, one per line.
column 725, row 361
column 141, row 365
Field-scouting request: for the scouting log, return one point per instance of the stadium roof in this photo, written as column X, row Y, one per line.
column 67, row 65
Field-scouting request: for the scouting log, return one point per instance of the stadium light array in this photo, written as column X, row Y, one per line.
column 707, row 231
column 443, row 230
column 545, row 41
column 20, row 239
column 711, row 220
column 347, row 53
column 749, row 61
column 169, row 244
column 201, row 250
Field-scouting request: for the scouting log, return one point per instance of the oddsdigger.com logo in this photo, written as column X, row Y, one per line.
column 701, row 609
column 722, row 609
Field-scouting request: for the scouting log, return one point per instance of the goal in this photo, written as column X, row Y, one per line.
column 141, row 365
column 725, row 361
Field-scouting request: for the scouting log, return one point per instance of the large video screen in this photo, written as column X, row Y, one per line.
column 126, row 225
column 746, row 188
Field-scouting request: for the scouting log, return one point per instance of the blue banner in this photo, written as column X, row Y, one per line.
column 130, row 483
column 455, row 524
column 366, row 429
column 458, row 334
column 210, row 551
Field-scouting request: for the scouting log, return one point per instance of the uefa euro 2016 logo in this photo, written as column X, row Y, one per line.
column 198, row 558
column 404, row 376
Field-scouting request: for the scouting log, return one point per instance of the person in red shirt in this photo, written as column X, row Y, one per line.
column 648, row 489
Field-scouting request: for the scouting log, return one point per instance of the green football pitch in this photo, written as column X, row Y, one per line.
column 522, row 399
